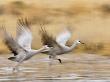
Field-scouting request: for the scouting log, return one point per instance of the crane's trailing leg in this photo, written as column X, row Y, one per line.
column 16, row 67
column 51, row 60
column 59, row 61
column 55, row 58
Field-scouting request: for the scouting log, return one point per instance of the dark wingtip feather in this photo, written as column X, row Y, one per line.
column 7, row 39
column 46, row 38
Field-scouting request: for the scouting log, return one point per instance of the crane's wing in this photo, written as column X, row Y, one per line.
column 12, row 45
column 24, row 35
column 63, row 37
column 46, row 38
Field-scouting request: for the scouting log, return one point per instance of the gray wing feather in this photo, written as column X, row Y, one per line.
column 24, row 36
column 12, row 45
column 46, row 38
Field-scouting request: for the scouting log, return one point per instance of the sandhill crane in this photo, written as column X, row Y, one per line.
column 57, row 45
column 21, row 46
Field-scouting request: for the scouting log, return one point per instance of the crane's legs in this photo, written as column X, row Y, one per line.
column 55, row 58
column 59, row 61
column 18, row 64
column 16, row 67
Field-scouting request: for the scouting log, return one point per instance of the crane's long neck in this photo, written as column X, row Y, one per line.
column 34, row 52
column 73, row 46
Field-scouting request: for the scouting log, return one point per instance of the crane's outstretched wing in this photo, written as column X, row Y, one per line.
column 63, row 37
column 24, row 35
column 46, row 38
column 12, row 45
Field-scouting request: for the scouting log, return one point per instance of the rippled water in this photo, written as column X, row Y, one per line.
column 74, row 67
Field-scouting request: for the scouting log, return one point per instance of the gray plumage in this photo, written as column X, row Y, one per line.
column 21, row 46
column 57, row 45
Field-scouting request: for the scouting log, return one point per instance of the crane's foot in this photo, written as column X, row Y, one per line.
column 50, row 57
column 59, row 61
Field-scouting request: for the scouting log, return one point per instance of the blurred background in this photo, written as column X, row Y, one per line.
column 88, row 19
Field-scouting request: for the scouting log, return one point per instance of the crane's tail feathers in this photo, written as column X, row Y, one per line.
column 12, row 58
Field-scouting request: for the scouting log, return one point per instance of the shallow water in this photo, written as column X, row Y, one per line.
column 74, row 67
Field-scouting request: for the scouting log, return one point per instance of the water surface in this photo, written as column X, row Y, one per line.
column 74, row 67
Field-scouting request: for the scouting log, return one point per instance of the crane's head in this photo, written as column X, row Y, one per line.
column 79, row 42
